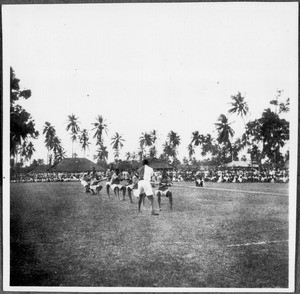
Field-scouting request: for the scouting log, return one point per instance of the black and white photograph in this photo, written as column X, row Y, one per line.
column 150, row 147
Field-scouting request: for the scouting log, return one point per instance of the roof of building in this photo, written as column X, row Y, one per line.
column 75, row 165
column 156, row 163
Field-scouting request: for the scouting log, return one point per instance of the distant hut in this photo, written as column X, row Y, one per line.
column 42, row 168
column 76, row 165
column 158, row 164
column 238, row 164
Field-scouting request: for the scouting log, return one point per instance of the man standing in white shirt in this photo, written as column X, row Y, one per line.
column 144, row 185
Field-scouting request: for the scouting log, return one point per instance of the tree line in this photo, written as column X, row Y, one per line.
column 262, row 139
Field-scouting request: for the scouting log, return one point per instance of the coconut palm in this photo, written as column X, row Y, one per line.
column 102, row 153
column 99, row 126
column 196, row 138
column 49, row 132
column 174, row 139
column 58, row 150
column 154, row 136
column 127, row 156
column 146, row 140
column 60, row 155
column 169, row 151
column 84, row 140
column 117, row 144
column 30, row 149
column 191, row 150
column 239, row 105
column 73, row 126
column 225, row 132
column 152, row 152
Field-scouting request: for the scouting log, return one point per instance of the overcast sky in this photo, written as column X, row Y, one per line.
column 143, row 66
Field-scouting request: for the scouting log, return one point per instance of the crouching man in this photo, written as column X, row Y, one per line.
column 164, row 182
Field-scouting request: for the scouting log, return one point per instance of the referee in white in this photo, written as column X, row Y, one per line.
column 144, row 185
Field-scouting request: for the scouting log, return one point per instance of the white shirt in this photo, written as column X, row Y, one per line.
column 148, row 173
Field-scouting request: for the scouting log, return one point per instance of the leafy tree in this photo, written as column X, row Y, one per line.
column 22, row 125
column 73, row 127
column 283, row 106
column 117, row 144
column 266, row 136
column 274, row 133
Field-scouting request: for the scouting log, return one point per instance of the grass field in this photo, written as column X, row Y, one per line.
column 61, row 236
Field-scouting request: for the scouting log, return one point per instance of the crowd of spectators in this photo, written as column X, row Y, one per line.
column 211, row 175
column 46, row 177
column 232, row 175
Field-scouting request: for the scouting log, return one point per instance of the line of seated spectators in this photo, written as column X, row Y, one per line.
column 232, row 176
column 45, row 177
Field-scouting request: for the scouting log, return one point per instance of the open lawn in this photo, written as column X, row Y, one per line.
column 61, row 236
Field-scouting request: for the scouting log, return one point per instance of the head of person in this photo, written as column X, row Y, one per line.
column 117, row 171
column 145, row 162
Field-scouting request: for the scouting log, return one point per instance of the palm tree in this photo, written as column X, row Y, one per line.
column 49, row 132
column 58, row 150
column 84, row 140
column 152, row 152
column 117, row 144
column 239, row 106
column 146, row 140
column 73, row 126
column 154, row 136
column 99, row 126
column 191, row 150
column 197, row 140
column 102, row 153
column 174, row 139
column 127, row 156
column 60, row 155
column 225, row 132
column 56, row 146
column 169, row 151
column 30, row 149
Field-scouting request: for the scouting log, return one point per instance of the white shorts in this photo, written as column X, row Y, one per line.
column 113, row 186
column 145, row 187
column 95, row 186
column 84, row 183
column 129, row 187
column 162, row 193
column 136, row 193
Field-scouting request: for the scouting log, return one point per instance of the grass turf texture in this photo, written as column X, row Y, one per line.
column 61, row 236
